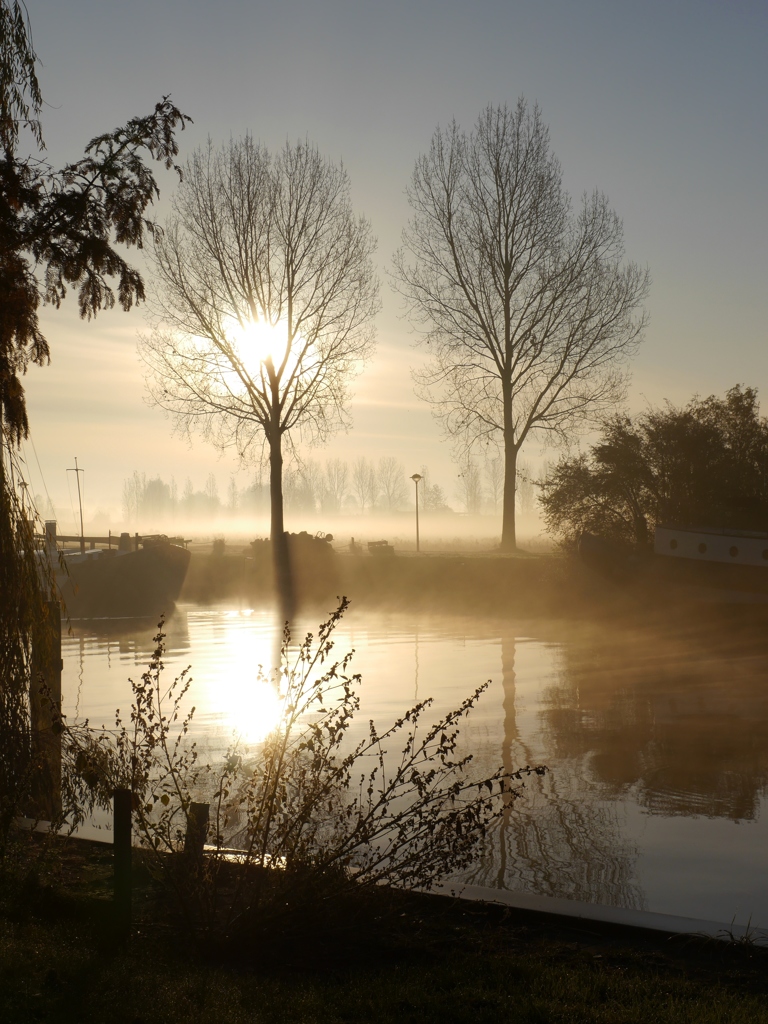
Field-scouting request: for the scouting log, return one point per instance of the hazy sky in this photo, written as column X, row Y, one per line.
column 662, row 105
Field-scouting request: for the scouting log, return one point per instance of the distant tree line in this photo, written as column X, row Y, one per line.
column 705, row 465
column 334, row 487
column 369, row 486
column 155, row 501
column 480, row 486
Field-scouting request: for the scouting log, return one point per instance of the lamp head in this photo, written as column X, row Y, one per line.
column 416, row 477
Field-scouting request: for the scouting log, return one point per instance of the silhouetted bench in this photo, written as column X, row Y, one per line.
column 380, row 547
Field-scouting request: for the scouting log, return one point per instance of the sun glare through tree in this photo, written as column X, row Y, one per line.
column 257, row 341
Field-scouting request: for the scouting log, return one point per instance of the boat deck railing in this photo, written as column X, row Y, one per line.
column 121, row 542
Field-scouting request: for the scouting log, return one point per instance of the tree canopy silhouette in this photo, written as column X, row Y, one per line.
column 705, row 465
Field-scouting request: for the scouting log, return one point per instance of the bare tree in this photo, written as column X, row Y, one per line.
column 527, row 307
column 525, row 486
column 264, row 304
column 255, row 497
column 174, row 497
column 156, row 501
column 211, row 489
column 365, row 486
column 391, row 482
column 133, row 496
column 297, row 495
column 494, row 481
column 233, row 496
column 312, row 483
column 188, row 495
column 336, row 485
column 470, row 487
column 432, row 496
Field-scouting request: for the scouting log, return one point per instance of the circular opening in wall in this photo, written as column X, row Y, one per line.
column 702, row 548
column 733, row 552
column 673, row 544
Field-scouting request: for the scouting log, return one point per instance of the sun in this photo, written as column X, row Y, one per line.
column 256, row 341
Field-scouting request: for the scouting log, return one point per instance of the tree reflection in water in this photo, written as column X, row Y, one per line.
column 679, row 717
column 563, row 839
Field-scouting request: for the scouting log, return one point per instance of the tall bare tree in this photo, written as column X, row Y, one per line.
column 365, row 484
column 233, row 496
column 525, row 486
column 134, row 489
column 469, row 486
column 336, row 485
column 494, row 480
column 391, row 478
column 310, row 485
column 431, row 495
column 264, row 304
column 528, row 307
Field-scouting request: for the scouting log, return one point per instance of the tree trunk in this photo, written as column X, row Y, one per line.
column 508, row 535
column 280, row 553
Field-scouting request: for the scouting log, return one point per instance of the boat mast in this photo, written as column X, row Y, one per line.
column 77, row 473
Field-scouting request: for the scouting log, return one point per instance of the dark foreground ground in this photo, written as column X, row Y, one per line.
column 409, row 958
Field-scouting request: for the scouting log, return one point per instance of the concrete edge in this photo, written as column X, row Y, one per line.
column 649, row 920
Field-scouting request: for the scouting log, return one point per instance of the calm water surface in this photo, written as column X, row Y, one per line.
column 657, row 742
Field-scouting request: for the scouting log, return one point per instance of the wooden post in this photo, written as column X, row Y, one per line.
column 197, row 831
column 122, row 799
column 51, row 544
column 44, row 710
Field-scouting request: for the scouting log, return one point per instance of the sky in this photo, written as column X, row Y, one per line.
column 660, row 105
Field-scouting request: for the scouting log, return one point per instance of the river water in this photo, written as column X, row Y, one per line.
column 656, row 740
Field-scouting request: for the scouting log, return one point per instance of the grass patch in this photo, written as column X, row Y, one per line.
column 402, row 958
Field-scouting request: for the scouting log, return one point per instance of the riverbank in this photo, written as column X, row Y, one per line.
column 403, row 957
column 546, row 585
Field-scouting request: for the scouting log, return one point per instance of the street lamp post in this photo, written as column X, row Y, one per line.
column 416, row 477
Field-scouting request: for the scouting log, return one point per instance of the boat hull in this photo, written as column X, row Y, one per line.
column 711, row 566
column 135, row 584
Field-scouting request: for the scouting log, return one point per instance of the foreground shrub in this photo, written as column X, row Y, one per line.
column 307, row 817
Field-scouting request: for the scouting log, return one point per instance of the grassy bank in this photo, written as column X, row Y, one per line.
column 403, row 958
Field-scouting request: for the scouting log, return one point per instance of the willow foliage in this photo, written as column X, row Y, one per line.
column 59, row 229
column 23, row 617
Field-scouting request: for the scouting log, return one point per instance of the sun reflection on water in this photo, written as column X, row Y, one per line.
column 255, row 708
column 241, row 693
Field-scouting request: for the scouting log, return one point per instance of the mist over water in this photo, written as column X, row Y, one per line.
column 438, row 531
column 656, row 737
